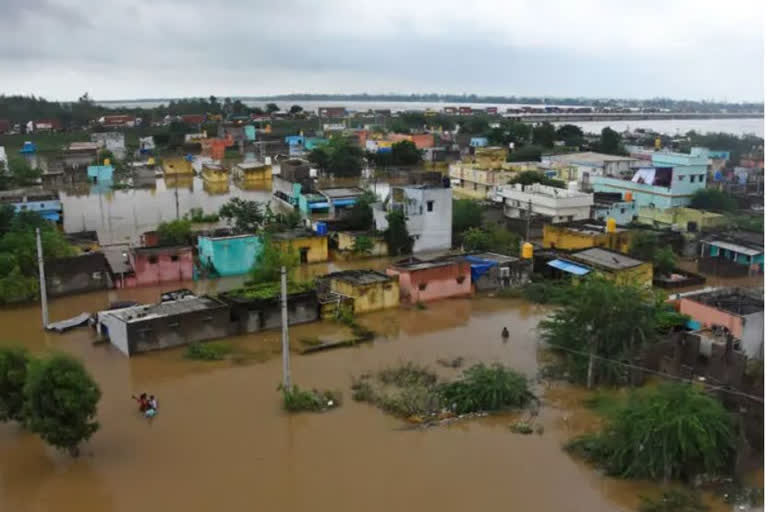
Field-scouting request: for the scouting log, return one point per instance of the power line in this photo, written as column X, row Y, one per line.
column 660, row 374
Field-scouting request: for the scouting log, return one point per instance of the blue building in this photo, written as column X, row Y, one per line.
column 229, row 255
column 100, row 173
column 45, row 203
column 613, row 206
column 670, row 180
column 478, row 142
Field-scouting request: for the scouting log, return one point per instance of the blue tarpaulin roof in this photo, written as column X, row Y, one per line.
column 479, row 266
column 567, row 266
column 53, row 216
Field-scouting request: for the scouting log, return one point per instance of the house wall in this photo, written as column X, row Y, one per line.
column 317, row 245
column 680, row 217
column 265, row 314
column 62, row 284
column 369, row 297
column 752, row 334
column 164, row 268
column 437, row 283
column 641, row 274
column 115, row 329
column 623, row 212
column 708, row 316
column 346, row 244
column 230, row 256
column 560, row 237
column 100, row 172
column 173, row 331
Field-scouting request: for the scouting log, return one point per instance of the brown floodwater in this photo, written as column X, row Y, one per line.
column 222, row 441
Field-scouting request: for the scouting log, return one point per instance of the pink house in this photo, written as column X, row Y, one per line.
column 423, row 280
column 738, row 310
column 154, row 265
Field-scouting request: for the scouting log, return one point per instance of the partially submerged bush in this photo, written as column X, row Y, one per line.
column 486, row 388
column 211, row 351
column 673, row 431
column 408, row 374
column 673, row 501
column 298, row 400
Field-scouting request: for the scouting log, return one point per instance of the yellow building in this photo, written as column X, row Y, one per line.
column 345, row 245
column 252, row 172
column 575, row 237
column 215, row 174
column 615, row 266
column 369, row 289
column 476, row 179
column 177, row 165
column 680, row 219
column 312, row 248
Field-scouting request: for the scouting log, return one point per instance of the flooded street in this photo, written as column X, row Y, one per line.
column 222, row 441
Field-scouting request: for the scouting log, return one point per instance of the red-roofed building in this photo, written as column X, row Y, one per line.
column 47, row 125
column 5, row 126
column 193, row 118
column 117, row 121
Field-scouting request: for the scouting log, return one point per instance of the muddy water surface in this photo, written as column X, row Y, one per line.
column 222, row 442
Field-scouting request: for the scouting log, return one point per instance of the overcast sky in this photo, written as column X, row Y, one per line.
column 121, row 49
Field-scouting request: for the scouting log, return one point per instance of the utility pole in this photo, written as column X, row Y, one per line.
column 176, row 195
column 41, row 265
column 286, row 347
column 528, row 222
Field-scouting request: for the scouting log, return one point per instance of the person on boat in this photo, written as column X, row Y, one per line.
column 505, row 333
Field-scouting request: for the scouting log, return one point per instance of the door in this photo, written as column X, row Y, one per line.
column 303, row 251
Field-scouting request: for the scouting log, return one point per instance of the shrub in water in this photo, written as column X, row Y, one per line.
column 211, row 351
column 297, row 400
column 486, row 388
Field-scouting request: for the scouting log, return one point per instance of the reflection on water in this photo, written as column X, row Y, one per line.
column 119, row 215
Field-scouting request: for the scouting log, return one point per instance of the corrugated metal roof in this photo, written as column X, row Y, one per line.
column 569, row 267
column 736, row 248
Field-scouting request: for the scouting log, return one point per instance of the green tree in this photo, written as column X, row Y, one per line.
column 266, row 269
column 22, row 173
column 272, row 108
column 544, row 134
column 526, row 154
column 360, row 216
column 571, row 134
column 645, row 246
column 664, row 261
column 13, row 374
column 60, row 400
column 467, row 214
column 713, row 200
column 531, row 177
column 476, row 239
column 295, row 109
column 174, row 232
column 247, row 216
column 673, row 431
column 344, row 157
column 399, row 241
column 405, row 152
column 475, row 125
column 599, row 317
column 363, row 245
column 320, row 158
column 610, row 142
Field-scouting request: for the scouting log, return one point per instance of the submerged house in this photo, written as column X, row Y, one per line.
column 347, row 242
column 732, row 254
column 426, row 280
column 369, row 290
column 228, row 255
column 256, row 308
column 47, row 204
column 78, row 274
column 252, row 172
column 312, row 247
column 615, row 266
column 167, row 324
column 155, row 265
column 491, row 271
column 735, row 311
column 584, row 235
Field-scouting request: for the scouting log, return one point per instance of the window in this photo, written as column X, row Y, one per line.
column 701, row 178
column 152, row 260
column 622, row 210
column 430, row 205
column 422, row 286
column 174, row 257
column 692, row 178
column 460, row 279
column 42, row 206
column 680, row 178
column 474, row 186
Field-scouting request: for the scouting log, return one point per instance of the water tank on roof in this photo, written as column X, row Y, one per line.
column 527, row 251
column 610, row 225
column 321, row 228
column 627, row 196
column 106, row 161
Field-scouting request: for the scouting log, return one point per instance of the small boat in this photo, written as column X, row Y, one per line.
column 29, row 147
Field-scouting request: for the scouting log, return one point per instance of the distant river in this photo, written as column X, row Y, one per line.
column 681, row 126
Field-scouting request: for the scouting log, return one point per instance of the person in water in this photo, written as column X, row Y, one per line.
column 143, row 402
column 505, row 333
column 151, row 407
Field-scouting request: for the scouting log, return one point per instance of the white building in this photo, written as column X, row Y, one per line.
column 3, row 158
column 556, row 204
column 429, row 212
column 589, row 164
